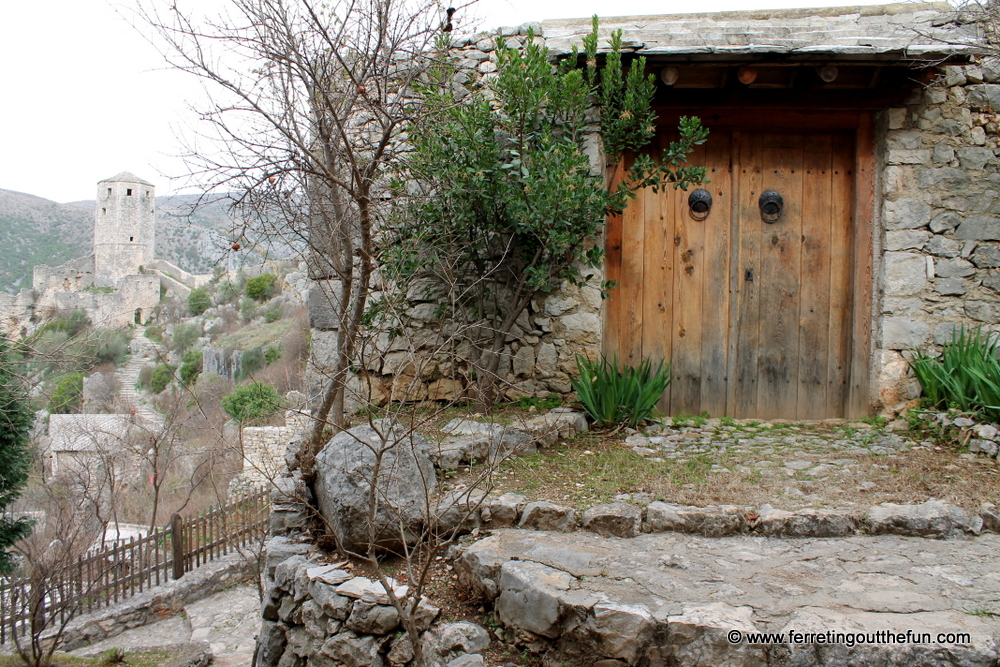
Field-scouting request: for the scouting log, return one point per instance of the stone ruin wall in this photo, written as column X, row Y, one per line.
column 940, row 187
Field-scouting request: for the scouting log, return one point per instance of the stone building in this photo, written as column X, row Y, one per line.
column 854, row 199
column 120, row 283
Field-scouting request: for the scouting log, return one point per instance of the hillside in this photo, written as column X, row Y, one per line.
column 38, row 231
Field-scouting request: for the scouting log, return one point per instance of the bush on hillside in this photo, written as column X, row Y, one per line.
column 184, row 336
column 68, row 395
column 252, row 402
column 191, row 366
column 71, row 323
column 160, row 378
column 261, row 287
column 198, row 301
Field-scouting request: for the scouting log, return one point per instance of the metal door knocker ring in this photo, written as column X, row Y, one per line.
column 700, row 203
column 771, row 204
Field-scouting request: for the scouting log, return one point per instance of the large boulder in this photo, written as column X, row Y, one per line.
column 346, row 472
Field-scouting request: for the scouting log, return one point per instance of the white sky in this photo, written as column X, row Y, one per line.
column 84, row 96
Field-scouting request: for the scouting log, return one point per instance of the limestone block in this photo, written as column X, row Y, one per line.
column 906, row 214
column 942, row 246
column 502, row 511
column 992, row 281
column 922, row 156
column 459, row 510
column 986, row 256
column 543, row 515
column 581, row 326
column 710, row 521
column 984, row 95
column 975, row 158
column 546, row 359
column 353, row 650
column 906, row 239
column 953, row 268
column 991, row 69
column 903, row 333
column 947, row 178
column 905, row 273
column 445, row 389
column 530, row 597
column 524, row 361
column 461, row 636
column 933, row 518
column 621, row 631
column 372, row 619
column 321, row 300
column 904, row 139
column 468, row 660
column 950, row 286
column 344, row 476
column 557, row 304
column 701, row 636
column 559, row 423
column 979, row 228
column 943, row 153
column 896, row 384
column 805, row 523
column 944, row 222
column 613, row 519
column 983, row 311
column 897, row 118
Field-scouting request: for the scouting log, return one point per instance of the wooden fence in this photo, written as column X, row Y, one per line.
column 105, row 576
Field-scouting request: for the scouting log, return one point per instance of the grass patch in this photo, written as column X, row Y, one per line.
column 256, row 336
column 150, row 658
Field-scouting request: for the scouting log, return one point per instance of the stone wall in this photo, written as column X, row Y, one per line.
column 263, row 447
column 940, row 228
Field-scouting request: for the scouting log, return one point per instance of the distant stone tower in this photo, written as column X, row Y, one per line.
column 123, row 228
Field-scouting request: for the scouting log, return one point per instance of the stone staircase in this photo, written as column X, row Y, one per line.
column 144, row 351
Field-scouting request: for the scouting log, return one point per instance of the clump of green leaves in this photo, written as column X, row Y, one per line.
column 67, row 397
column 261, row 287
column 966, row 375
column 252, row 402
column 198, row 301
column 161, row 376
column 184, row 336
column 614, row 394
column 15, row 433
column 191, row 366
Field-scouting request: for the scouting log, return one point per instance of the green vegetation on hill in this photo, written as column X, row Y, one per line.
column 37, row 231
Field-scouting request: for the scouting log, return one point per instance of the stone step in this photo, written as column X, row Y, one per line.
column 686, row 601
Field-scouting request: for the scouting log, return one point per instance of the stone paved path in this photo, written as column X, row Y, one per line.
column 229, row 621
column 144, row 351
column 678, row 595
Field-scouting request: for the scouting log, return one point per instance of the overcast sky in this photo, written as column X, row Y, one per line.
column 84, row 96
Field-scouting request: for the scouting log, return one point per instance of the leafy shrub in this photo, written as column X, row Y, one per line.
column 274, row 313
column 145, row 375
column 155, row 333
column 191, row 366
column 67, row 397
column 107, row 346
column 228, row 291
column 161, row 377
column 272, row 353
column 614, row 395
column 261, row 287
column 966, row 375
column 198, row 301
column 251, row 362
column 248, row 308
column 251, row 402
column 184, row 336
column 71, row 323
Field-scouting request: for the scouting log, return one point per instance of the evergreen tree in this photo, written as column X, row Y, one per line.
column 15, row 428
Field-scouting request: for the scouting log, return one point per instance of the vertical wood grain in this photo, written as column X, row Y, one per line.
column 747, row 266
column 864, row 216
column 842, row 265
column 613, row 271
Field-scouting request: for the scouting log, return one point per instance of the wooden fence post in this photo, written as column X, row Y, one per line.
column 177, row 542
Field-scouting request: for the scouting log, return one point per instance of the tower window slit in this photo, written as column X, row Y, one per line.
column 128, row 192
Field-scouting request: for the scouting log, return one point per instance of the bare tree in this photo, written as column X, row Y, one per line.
column 308, row 102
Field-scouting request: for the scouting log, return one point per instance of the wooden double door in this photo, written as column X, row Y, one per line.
column 756, row 317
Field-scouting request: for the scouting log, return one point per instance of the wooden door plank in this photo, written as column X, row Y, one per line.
column 780, row 246
column 613, row 271
column 689, row 270
column 633, row 239
column 747, row 269
column 814, row 305
column 859, row 401
column 658, row 282
column 841, row 283
column 716, row 280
